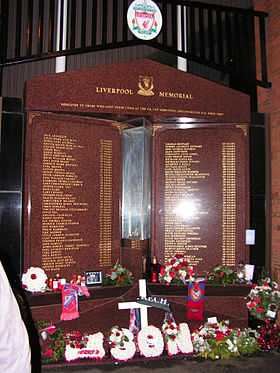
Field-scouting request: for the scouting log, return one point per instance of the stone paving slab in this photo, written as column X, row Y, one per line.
column 263, row 363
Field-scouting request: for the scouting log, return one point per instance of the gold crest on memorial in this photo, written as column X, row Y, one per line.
column 146, row 85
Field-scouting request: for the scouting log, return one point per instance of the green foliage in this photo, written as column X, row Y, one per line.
column 53, row 348
column 219, row 341
column 222, row 275
column 118, row 276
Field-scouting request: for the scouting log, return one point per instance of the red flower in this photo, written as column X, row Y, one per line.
column 162, row 270
column 257, row 299
column 172, row 261
column 48, row 353
column 178, row 256
column 219, row 336
column 260, row 310
column 251, row 305
column 172, row 274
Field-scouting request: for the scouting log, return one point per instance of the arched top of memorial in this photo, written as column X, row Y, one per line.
column 141, row 87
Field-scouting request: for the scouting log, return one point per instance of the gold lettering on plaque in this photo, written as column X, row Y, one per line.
column 114, row 91
column 62, row 206
column 183, row 208
column 105, row 200
column 178, row 95
column 229, row 203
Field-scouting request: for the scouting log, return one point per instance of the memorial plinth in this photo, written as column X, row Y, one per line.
column 223, row 302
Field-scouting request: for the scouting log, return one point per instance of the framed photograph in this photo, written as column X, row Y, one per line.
column 93, row 278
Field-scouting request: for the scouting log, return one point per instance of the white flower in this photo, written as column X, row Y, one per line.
column 274, row 285
column 126, row 349
column 182, row 273
column 116, row 335
column 71, row 353
column 114, row 275
column 150, row 341
column 168, row 278
column 34, row 280
column 95, row 345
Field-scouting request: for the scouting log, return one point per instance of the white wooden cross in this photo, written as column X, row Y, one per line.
column 143, row 307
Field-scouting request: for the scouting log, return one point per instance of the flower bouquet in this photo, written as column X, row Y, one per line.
column 263, row 301
column 269, row 337
column 52, row 342
column 219, row 341
column 118, row 276
column 222, row 275
column 176, row 271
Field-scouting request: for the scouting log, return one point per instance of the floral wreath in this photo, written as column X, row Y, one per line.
column 177, row 337
column 34, row 280
column 80, row 346
column 263, row 301
column 150, row 341
column 121, row 341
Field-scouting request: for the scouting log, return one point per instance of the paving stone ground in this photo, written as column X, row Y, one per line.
column 263, row 363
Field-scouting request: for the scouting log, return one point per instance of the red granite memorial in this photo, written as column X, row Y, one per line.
column 72, row 194
column 73, row 175
column 199, row 194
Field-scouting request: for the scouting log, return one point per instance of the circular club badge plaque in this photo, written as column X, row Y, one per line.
column 144, row 19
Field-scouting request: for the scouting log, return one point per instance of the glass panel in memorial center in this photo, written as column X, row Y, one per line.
column 136, row 186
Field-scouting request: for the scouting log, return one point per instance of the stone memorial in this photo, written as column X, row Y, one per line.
column 200, row 194
column 74, row 182
column 72, row 194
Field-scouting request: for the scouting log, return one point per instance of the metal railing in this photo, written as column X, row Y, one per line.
column 223, row 38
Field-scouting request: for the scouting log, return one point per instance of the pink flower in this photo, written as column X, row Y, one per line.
column 51, row 329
